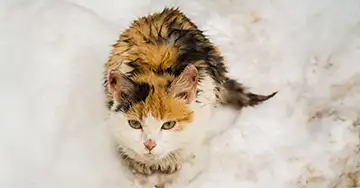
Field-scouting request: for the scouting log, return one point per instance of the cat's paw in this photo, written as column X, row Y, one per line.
column 137, row 184
column 176, row 185
column 142, row 184
column 160, row 186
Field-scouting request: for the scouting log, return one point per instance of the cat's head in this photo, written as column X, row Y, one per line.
column 153, row 117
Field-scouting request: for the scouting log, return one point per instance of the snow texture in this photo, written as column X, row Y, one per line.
column 53, row 131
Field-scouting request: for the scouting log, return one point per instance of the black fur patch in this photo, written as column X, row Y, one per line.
column 139, row 94
column 237, row 96
column 195, row 48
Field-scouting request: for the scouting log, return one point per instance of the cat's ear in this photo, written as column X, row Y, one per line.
column 119, row 86
column 184, row 86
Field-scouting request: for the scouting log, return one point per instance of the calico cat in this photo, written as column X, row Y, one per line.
column 162, row 81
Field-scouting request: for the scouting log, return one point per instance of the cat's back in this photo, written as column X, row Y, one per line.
column 157, row 28
column 156, row 42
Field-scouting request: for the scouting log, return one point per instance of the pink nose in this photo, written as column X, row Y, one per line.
column 150, row 144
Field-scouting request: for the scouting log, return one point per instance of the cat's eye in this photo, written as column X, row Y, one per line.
column 135, row 124
column 168, row 125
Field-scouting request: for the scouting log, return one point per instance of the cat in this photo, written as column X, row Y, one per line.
column 162, row 81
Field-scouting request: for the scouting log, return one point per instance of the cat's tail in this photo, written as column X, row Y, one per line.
column 234, row 94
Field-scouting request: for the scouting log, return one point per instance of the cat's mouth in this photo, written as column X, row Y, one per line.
column 150, row 154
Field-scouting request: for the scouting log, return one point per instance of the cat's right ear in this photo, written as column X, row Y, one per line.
column 184, row 86
column 119, row 86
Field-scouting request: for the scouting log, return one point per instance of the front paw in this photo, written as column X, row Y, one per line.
column 144, row 186
column 175, row 185
column 138, row 184
column 160, row 186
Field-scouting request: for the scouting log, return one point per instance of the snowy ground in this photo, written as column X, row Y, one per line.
column 52, row 130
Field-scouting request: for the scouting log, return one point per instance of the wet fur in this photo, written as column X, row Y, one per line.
column 164, row 44
column 148, row 62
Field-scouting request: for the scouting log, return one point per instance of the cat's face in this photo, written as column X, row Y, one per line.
column 153, row 126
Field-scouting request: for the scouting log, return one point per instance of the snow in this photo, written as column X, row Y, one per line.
column 53, row 131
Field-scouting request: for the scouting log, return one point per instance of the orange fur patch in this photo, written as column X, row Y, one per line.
column 162, row 107
column 153, row 57
column 154, row 80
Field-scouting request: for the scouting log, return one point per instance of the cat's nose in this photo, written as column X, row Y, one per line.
column 150, row 144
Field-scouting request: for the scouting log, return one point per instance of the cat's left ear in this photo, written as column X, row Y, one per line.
column 184, row 86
